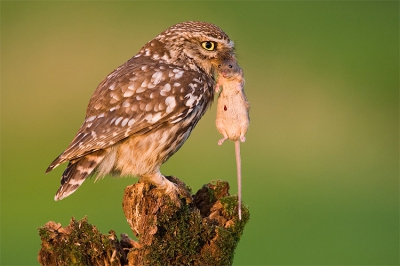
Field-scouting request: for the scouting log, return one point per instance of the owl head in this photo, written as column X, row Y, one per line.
column 192, row 45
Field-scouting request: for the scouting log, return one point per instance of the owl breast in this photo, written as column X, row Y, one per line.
column 143, row 154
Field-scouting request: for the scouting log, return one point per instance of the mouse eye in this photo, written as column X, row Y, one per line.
column 209, row 46
column 230, row 66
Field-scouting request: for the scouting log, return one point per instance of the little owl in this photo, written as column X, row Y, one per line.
column 144, row 111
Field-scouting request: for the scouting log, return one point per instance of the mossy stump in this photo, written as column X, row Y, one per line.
column 204, row 230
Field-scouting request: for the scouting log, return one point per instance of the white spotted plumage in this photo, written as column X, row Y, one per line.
column 144, row 111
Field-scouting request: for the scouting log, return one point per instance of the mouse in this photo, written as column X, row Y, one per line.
column 232, row 112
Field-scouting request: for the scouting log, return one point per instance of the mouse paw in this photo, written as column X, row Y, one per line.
column 222, row 141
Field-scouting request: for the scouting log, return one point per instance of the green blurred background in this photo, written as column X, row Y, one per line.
column 321, row 160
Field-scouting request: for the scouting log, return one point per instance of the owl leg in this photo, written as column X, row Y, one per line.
column 167, row 187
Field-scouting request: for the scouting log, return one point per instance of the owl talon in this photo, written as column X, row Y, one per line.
column 173, row 193
column 176, row 192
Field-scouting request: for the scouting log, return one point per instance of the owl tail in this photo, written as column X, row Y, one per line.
column 77, row 171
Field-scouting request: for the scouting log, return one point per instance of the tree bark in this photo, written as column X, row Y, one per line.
column 204, row 230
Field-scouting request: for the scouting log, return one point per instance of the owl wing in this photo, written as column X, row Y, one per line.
column 135, row 99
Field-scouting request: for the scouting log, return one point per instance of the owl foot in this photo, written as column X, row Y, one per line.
column 176, row 190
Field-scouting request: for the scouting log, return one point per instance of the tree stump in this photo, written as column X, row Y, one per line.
column 204, row 230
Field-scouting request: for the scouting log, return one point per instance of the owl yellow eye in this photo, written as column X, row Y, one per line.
column 209, row 46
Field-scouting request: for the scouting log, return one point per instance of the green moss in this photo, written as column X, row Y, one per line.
column 178, row 237
column 80, row 243
column 185, row 238
column 44, row 234
column 230, row 205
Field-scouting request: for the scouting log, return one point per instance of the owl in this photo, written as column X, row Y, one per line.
column 145, row 110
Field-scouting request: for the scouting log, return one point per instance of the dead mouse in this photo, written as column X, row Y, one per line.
column 232, row 112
